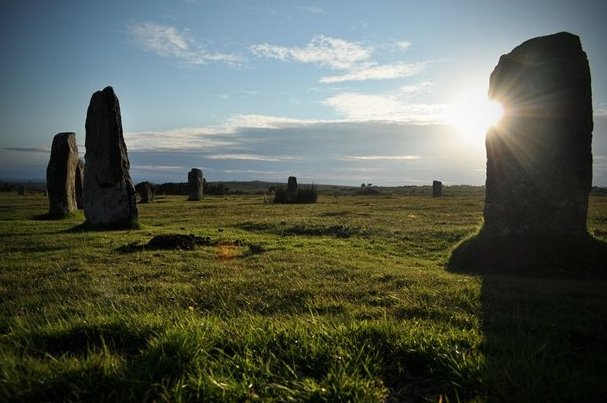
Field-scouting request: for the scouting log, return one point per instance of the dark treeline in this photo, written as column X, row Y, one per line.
column 181, row 188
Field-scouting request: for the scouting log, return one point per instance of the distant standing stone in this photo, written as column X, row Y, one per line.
column 61, row 175
column 195, row 184
column 292, row 185
column 79, row 184
column 21, row 190
column 109, row 195
column 437, row 188
column 539, row 159
column 145, row 191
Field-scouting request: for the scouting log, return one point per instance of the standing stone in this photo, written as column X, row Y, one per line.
column 109, row 195
column 145, row 191
column 437, row 188
column 292, row 185
column 61, row 175
column 21, row 190
column 195, row 183
column 79, row 183
column 539, row 158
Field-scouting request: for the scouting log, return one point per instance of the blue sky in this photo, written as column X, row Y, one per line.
column 340, row 92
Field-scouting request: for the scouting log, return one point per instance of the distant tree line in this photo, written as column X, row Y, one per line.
column 181, row 188
column 303, row 194
column 29, row 186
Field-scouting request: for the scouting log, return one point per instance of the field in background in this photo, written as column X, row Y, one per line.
column 345, row 299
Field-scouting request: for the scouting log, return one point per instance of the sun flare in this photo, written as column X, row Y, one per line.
column 473, row 114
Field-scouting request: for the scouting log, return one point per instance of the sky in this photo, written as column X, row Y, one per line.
column 333, row 92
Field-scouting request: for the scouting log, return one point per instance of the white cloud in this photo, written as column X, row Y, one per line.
column 382, row 158
column 353, row 58
column 212, row 138
column 168, row 41
column 324, row 50
column 313, row 9
column 403, row 44
column 377, row 72
column 163, row 168
column 601, row 110
column 390, row 107
column 250, row 157
column 421, row 88
column 179, row 139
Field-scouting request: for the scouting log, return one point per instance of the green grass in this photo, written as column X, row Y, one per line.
column 347, row 299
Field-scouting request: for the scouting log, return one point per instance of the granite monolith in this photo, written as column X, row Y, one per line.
column 195, row 184
column 61, row 175
column 109, row 194
column 539, row 157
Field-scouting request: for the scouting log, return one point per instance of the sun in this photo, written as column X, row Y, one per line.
column 473, row 113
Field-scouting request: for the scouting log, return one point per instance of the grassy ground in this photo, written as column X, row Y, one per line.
column 347, row 299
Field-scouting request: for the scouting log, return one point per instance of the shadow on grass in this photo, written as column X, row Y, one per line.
column 52, row 217
column 87, row 226
column 543, row 315
column 541, row 255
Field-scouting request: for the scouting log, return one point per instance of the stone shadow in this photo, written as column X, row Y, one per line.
column 543, row 315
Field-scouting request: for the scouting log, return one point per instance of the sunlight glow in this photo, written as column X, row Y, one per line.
column 474, row 114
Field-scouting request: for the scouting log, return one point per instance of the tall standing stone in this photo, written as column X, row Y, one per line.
column 539, row 158
column 109, row 195
column 437, row 188
column 292, row 185
column 145, row 191
column 195, row 184
column 61, row 175
column 79, row 184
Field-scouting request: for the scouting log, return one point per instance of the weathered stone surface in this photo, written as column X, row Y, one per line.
column 61, row 175
column 437, row 188
column 109, row 195
column 292, row 185
column 79, row 184
column 146, row 192
column 195, row 184
column 539, row 159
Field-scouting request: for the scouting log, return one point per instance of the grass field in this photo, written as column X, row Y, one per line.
column 348, row 299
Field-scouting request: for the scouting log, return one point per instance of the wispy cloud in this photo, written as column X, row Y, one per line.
column 387, row 107
column 382, row 158
column 169, row 41
column 421, row 88
column 323, row 50
column 377, row 72
column 403, row 44
column 211, row 139
column 601, row 110
column 352, row 58
column 250, row 157
column 313, row 9
column 179, row 139
column 162, row 168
